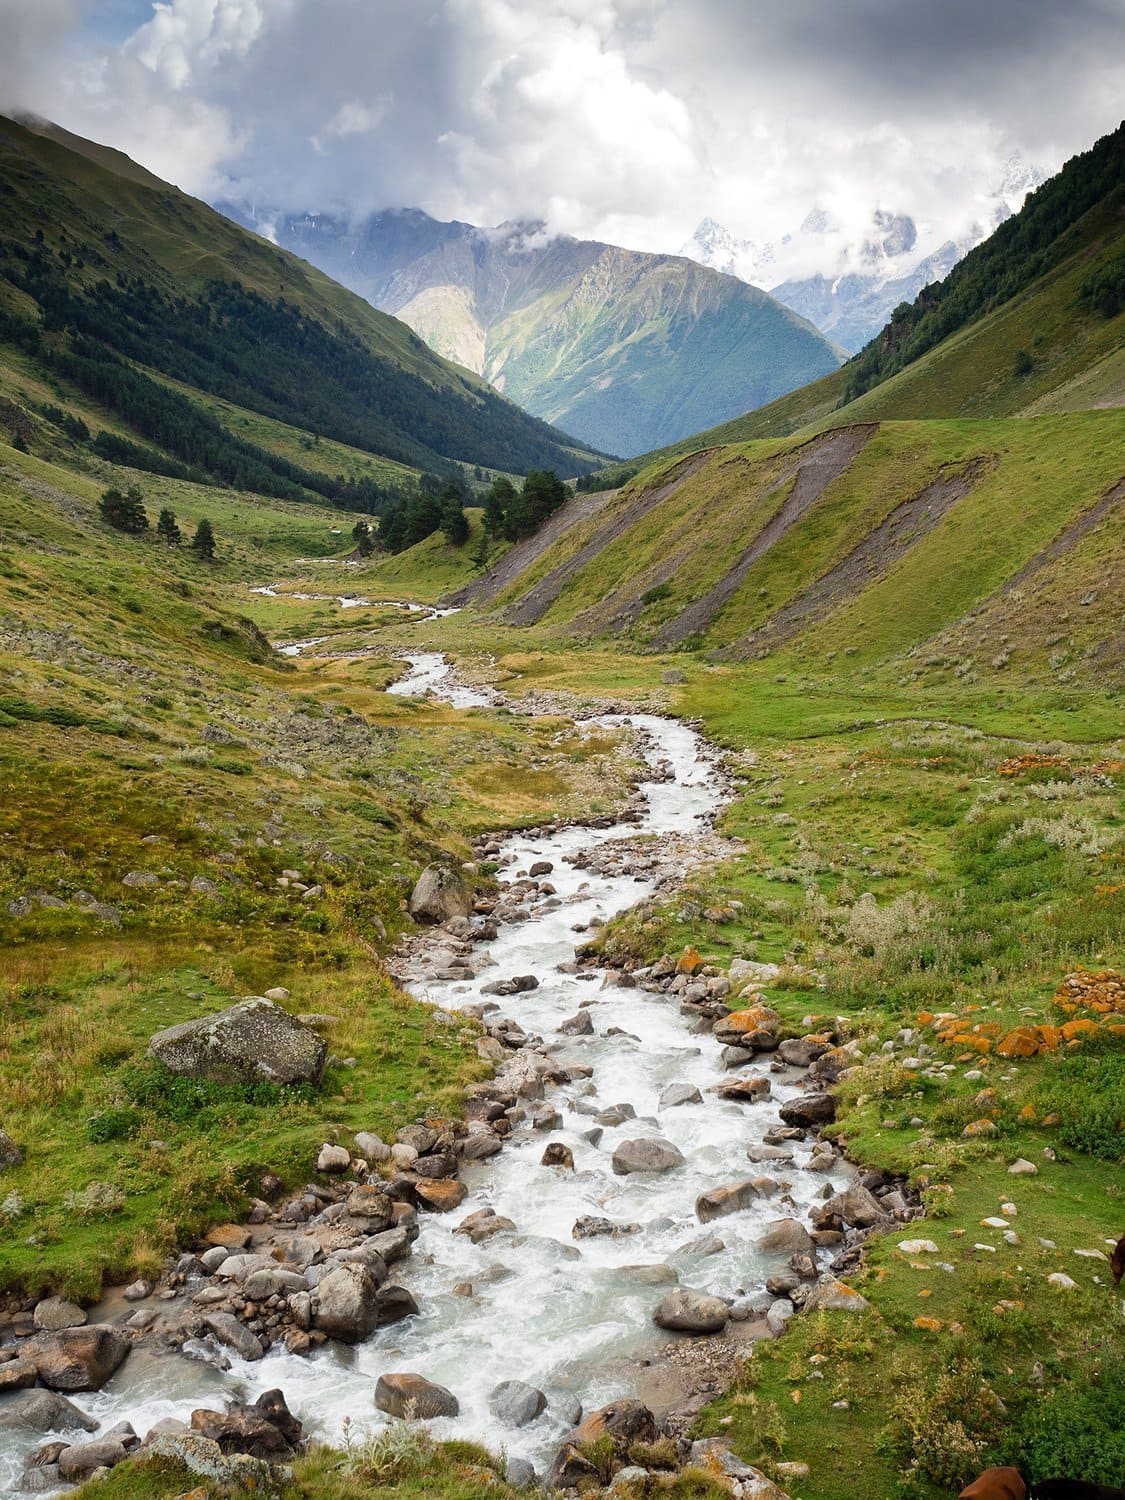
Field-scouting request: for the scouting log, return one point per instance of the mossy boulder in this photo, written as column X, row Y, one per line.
column 251, row 1041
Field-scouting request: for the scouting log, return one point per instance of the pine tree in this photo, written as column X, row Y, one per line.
column 364, row 541
column 124, row 512
column 500, row 495
column 454, row 522
column 167, row 530
column 203, row 541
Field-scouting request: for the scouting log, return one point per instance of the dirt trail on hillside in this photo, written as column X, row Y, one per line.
column 817, row 464
column 533, row 605
column 871, row 560
column 1069, row 537
column 528, row 552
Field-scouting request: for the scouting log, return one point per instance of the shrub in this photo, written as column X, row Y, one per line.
column 1079, row 1430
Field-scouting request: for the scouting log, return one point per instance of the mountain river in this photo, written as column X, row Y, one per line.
column 572, row 1317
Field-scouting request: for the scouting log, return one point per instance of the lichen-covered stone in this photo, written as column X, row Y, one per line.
column 252, row 1040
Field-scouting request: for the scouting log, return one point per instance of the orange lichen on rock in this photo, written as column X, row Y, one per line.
column 979, row 1127
column 1019, row 765
column 1021, row 1041
column 688, row 961
column 929, row 1325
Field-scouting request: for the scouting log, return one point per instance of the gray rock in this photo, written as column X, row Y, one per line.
column 80, row 1460
column 515, row 1403
column 646, row 1155
column 811, row 1109
column 590, row 1227
column 138, row 1290
column 234, row 1335
column 54, row 1313
column 854, row 1206
column 778, row 1315
column 439, row 896
column 203, row 1457
column 679, row 1093
column 833, row 1295
column 687, row 1311
column 42, row 1411
column 333, row 1158
column 252, row 1040
column 787, row 1237
column 372, row 1147
column 10, row 1154
column 17, row 1375
column 139, row 878
column 801, row 1051
column 201, row 886
column 520, row 1474
column 577, row 1025
column 656, row 1275
column 347, row 1303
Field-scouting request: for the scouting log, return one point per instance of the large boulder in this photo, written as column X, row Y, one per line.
column 408, row 1395
column 77, row 1359
column 515, row 1403
column 42, row 1411
column 624, row 1422
column 81, row 1459
column 248, row 1042
column 347, row 1303
column 440, row 895
column 647, row 1155
column 855, row 1206
column 685, row 1311
column 830, row 1295
column 267, row 1429
column 234, row 1335
column 787, row 1237
column 716, row 1203
column 55, row 1313
column 810, row 1109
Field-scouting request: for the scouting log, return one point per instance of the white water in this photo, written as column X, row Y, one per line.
column 560, row 1314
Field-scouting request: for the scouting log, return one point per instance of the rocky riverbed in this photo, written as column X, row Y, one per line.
column 638, row 1190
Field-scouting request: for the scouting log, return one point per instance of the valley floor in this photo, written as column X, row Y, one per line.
column 943, row 855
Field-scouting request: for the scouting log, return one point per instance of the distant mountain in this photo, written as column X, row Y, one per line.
column 625, row 350
column 117, row 285
column 848, row 285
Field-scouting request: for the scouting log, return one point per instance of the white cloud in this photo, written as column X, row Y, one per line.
column 627, row 120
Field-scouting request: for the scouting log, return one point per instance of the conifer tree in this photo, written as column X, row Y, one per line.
column 167, row 530
column 454, row 522
column 364, row 541
column 124, row 512
column 203, row 541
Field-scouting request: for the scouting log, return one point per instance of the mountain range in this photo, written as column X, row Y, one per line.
column 848, row 283
column 624, row 349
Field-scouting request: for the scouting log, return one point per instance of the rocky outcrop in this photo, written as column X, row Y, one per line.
column 250, row 1041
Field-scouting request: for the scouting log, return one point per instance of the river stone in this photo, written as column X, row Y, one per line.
column 333, row 1158
column 625, row 1422
column 577, row 1025
column 745, row 1090
column 854, row 1206
column 656, row 1275
column 590, row 1227
column 832, row 1295
column 717, row 1202
column 408, row 1395
column 679, row 1093
column 811, row 1109
column 346, row 1305
column 252, row 1040
column 440, row 1194
column 234, row 1335
column 77, row 1359
column 42, row 1411
column 801, row 1051
column 557, row 1154
column 616, row 1114
column 439, row 896
column 372, row 1147
column 55, row 1313
column 646, row 1155
column 787, row 1237
column 520, row 1474
column 687, row 1311
column 371, row 1205
column 80, row 1460
column 778, row 1314
column 515, row 1403
column 17, row 1375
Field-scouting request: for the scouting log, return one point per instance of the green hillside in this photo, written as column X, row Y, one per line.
column 107, row 279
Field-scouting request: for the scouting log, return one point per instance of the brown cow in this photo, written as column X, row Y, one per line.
column 1117, row 1260
column 997, row 1484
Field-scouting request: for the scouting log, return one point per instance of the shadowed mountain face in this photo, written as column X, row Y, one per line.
column 625, row 350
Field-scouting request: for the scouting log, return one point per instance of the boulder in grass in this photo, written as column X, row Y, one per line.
column 251, row 1041
column 439, row 896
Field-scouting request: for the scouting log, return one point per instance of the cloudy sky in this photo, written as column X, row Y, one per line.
column 628, row 120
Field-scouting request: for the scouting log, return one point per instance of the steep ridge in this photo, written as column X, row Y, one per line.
column 120, row 284
column 625, row 349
